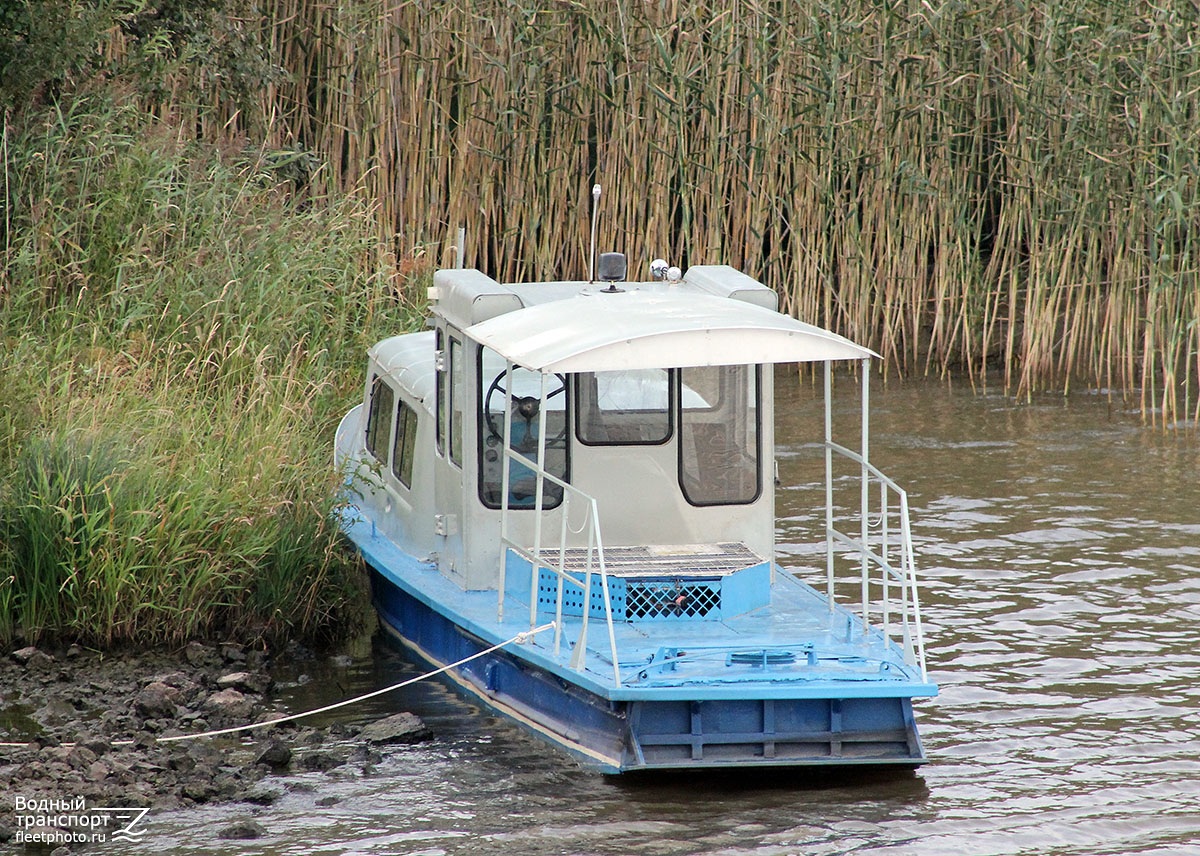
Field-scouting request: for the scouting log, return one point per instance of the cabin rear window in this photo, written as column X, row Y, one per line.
column 719, row 435
column 379, row 419
column 623, row 408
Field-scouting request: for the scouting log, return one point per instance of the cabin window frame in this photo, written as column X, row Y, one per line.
column 456, row 396
column 581, row 401
column 372, row 442
column 757, row 377
column 440, row 370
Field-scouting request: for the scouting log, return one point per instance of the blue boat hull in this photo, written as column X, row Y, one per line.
column 624, row 735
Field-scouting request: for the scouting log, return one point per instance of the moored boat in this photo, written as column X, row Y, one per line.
column 591, row 464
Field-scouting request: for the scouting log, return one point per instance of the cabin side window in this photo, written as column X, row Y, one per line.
column 531, row 417
column 405, row 445
column 379, row 419
column 719, row 446
column 451, row 392
column 623, row 408
column 440, row 375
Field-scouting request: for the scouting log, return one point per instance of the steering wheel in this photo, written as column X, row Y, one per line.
column 527, row 407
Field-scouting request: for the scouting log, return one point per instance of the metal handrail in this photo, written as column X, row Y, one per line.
column 877, row 553
column 538, row 556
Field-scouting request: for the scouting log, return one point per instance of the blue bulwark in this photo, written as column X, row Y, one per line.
column 746, row 590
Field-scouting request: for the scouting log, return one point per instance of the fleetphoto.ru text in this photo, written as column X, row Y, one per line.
column 55, row 822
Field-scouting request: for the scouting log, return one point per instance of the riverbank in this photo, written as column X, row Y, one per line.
column 85, row 729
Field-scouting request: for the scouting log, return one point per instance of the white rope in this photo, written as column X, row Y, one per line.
column 520, row 639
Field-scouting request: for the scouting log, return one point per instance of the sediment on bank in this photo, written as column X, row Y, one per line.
column 79, row 724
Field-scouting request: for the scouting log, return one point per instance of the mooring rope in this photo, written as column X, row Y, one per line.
column 520, row 638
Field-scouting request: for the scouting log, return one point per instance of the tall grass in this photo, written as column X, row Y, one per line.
column 181, row 330
column 962, row 186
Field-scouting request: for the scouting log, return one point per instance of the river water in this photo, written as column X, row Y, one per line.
column 1059, row 552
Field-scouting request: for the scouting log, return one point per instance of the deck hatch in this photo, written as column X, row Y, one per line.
column 672, row 560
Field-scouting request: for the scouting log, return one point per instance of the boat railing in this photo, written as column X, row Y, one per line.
column 884, row 550
column 552, row 557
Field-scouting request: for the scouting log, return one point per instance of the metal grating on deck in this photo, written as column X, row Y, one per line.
column 667, row 560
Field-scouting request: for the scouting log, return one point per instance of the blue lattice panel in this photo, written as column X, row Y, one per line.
column 665, row 588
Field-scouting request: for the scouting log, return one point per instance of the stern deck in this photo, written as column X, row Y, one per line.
column 792, row 646
column 789, row 683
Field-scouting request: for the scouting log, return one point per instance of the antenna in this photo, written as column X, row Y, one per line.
column 595, row 218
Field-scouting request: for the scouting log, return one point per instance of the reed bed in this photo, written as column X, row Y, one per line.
column 189, row 283
column 181, row 332
column 964, row 187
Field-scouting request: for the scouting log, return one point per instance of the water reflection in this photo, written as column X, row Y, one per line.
column 1059, row 552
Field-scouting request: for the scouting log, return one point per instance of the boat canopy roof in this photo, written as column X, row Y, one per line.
column 599, row 331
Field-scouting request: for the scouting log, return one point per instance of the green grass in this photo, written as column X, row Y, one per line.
column 181, row 331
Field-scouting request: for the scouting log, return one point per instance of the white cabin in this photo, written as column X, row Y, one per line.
column 653, row 398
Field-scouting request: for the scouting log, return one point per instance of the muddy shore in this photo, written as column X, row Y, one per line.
column 102, row 729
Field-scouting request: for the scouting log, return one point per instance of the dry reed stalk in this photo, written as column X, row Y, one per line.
column 959, row 187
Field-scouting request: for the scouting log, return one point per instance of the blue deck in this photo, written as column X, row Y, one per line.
column 792, row 674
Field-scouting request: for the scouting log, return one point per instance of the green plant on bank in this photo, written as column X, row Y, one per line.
column 180, row 330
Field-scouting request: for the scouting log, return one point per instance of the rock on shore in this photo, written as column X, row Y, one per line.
column 80, row 724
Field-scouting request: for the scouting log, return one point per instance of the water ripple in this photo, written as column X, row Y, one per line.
column 1058, row 551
